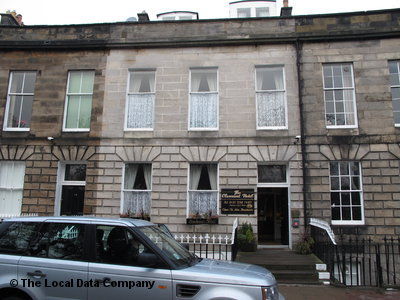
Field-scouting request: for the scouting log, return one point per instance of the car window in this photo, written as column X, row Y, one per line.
column 60, row 241
column 118, row 245
column 16, row 237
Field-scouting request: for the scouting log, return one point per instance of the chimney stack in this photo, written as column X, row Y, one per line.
column 143, row 17
column 286, row 11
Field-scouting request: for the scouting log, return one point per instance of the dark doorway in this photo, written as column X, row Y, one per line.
column 272, row 212
column 72, row 200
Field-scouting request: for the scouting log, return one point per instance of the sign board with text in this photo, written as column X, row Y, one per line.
column 237, row 201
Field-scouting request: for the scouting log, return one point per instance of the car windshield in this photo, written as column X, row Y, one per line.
column 169, row 246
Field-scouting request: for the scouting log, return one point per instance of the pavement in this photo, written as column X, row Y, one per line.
column 318, row 292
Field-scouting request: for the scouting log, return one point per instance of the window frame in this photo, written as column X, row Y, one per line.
column 190, row 93
column 130, row 71
column 62, row 182
column 286, row 126
column 7, row 109
column 135, row 190
column 394, row 86
column 353, row 88
column 67, row 94
column 360, row 191
column 189, row 190
column 13, row 162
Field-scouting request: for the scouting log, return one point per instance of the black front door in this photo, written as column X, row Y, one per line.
column 272, row 211
column 72, row 200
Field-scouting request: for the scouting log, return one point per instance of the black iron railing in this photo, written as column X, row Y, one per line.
column 358, row 261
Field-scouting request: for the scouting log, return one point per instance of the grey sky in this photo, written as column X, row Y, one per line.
column 90, row 11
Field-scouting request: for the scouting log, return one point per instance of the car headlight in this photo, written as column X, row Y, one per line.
column 270, row 293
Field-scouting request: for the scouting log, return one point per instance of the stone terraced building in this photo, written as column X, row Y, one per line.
column 195, row 123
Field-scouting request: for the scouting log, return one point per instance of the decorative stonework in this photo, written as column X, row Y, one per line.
column 134, row 153
column 73, row 153
column 16, row 152
column 203, row 154
column 344, row 152
column 273, row 153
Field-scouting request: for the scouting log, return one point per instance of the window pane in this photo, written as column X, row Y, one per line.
column 75, row 172
column 85, row 112
column 137, row 202
column 330, row 107
column 345, row 183
column 26, row 112
column 393, row 67
column 271, row 173
column 355, row 198
column 356, row 213
column 12, row 175
column 140, row 111
column 270, row 78
column 14, row 112
column 60, row 241
column 334, row 168
column 15, row 239
column 335, row 183
column 203, row 203
column 142, row 82
column 336, row 213
column 243, row 12
column 346, row 213
column 262, row 12
column 203, row 110
column 137, row 177
column 271, row 109
column 345, row 198
column 335, row 199
column 394, row 79
column 87, row 82
column 73, row 111
column 29, row 82
column 17, row 79
column 355, row 183
column 344, row 168
column 354, row 168
column 204, row 80
column 74, row 84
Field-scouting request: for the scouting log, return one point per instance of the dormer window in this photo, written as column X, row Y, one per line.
column 243, row 12
column 262, row 12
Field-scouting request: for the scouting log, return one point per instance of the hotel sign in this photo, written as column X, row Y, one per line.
column 237, row 201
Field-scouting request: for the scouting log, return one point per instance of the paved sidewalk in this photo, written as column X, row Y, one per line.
column 318, row 292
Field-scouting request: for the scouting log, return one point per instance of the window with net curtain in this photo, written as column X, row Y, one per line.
column 137, row 189
column 19, row 100
column 11, row 187
column 79, row 101
column 203, row 99
column 271, row 98
column 140, row 100
column 203, row 190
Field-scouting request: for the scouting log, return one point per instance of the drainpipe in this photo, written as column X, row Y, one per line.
column 299, row 46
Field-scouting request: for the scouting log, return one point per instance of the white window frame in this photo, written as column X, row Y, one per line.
column 395, row 86
column 353, row 88
column 61, row 182
column 360, row 191
column 285, row 127
column 67, row 94
column 121, row 209
column 190, row 93
column 9, row 94
column 6, row 188
column 189, row 190
column 130, row 71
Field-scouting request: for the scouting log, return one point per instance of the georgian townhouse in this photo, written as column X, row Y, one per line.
column 195, row 123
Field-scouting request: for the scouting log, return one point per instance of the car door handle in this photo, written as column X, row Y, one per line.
column 37, row 274
column 102, row 280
